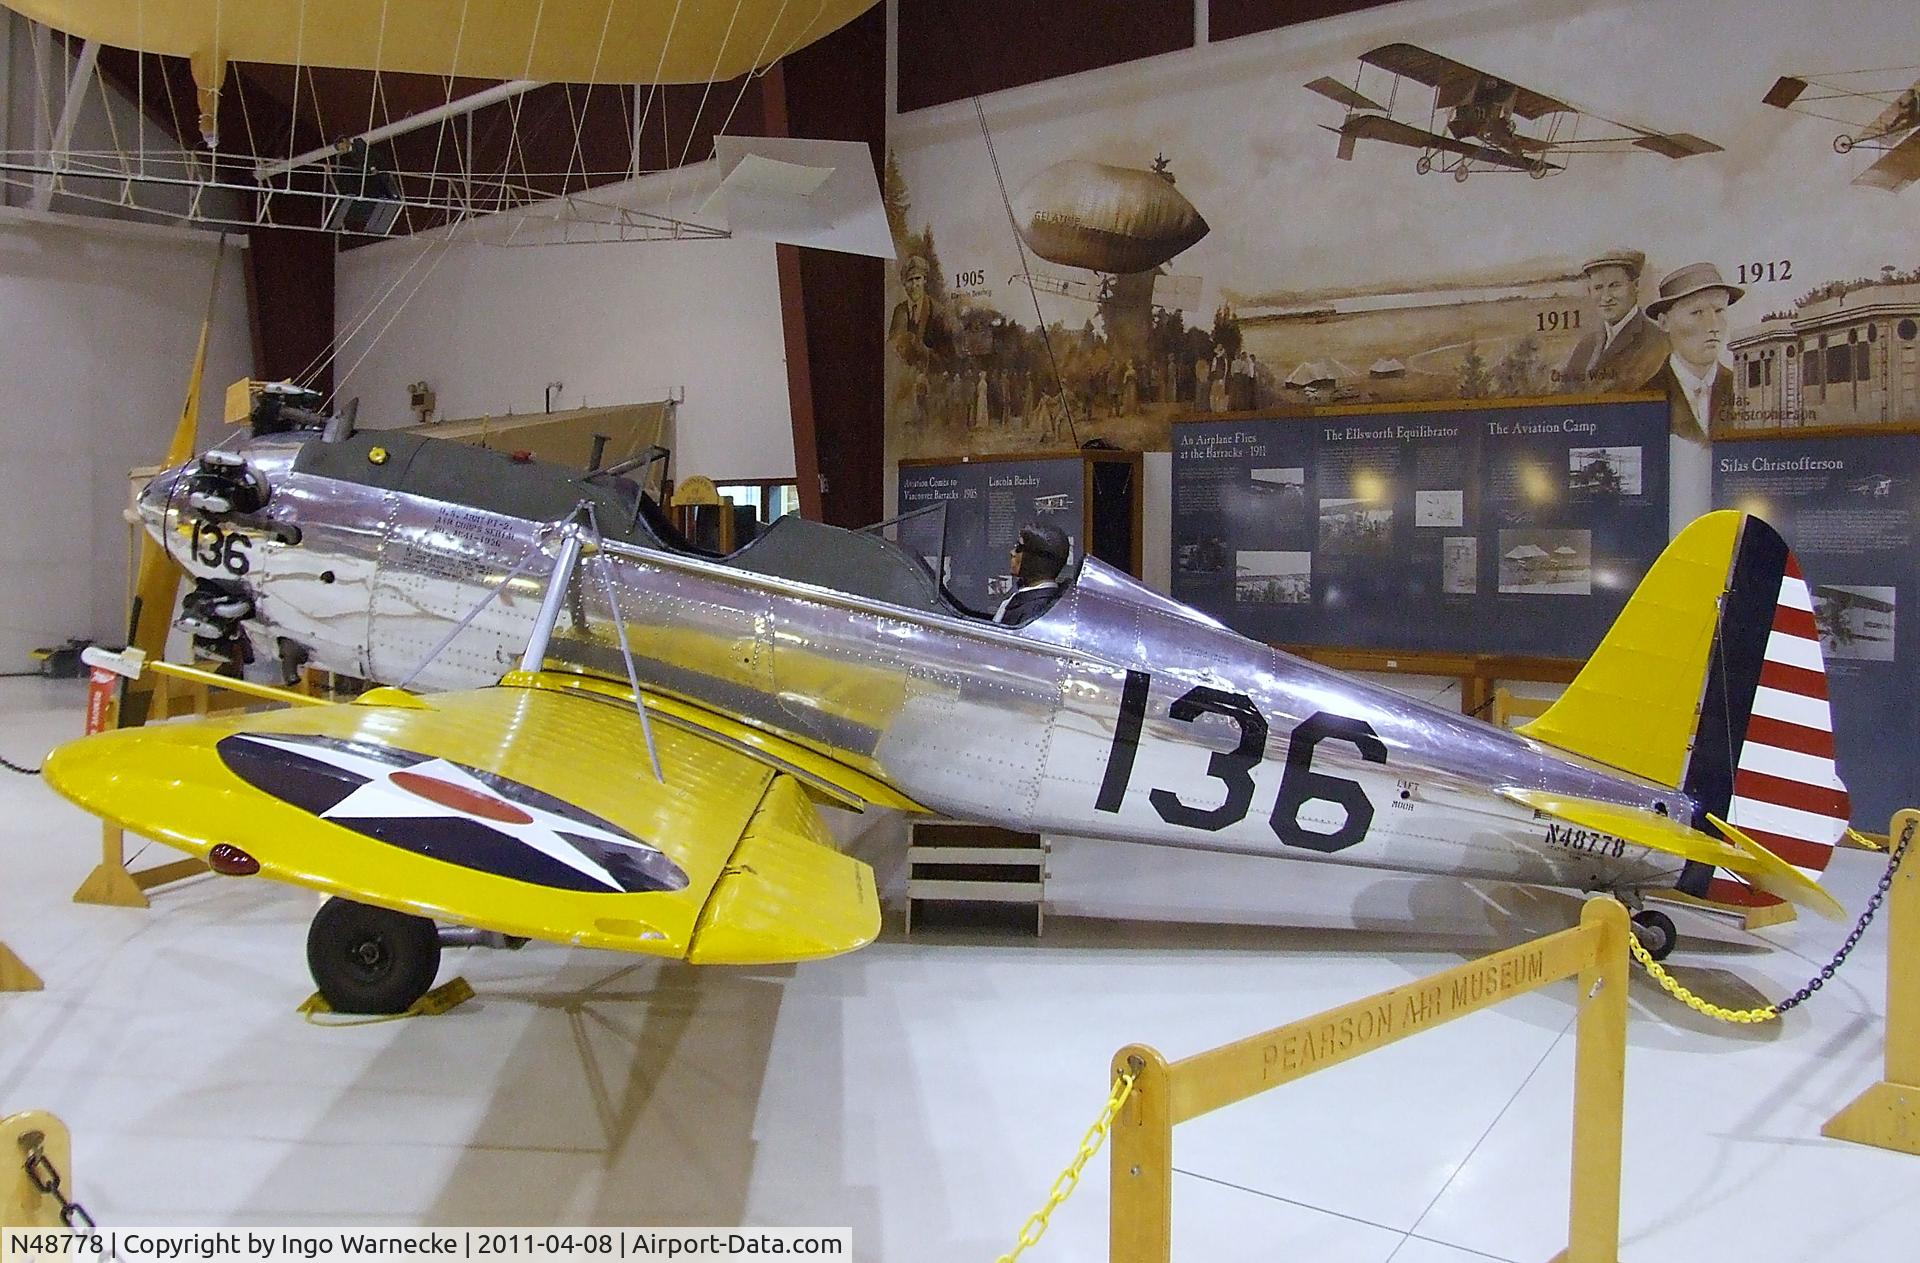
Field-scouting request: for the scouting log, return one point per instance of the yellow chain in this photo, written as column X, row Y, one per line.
column 1866, row 843
column 1673, row 988
column 1069, row 1179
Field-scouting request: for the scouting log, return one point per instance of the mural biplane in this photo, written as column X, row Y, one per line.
column 1479, row 121
column 1846, row 98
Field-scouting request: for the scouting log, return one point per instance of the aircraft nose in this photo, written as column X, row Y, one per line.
column 155, row 499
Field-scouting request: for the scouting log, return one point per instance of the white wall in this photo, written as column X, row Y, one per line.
column 488, row 326
column 99, row 327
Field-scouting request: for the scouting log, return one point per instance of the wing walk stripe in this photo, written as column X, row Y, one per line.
column 1800, row 652
column 1811, row 684
column 1782, row 734
column 1801, row 796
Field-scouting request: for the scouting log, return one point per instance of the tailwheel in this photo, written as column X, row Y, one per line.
column 1843, row 143
column 371, row 960
column 1656, row 932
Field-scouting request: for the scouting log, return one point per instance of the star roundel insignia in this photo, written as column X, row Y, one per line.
column 451, row 812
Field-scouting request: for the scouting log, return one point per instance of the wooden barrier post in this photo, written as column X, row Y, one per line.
column 1166, row 1095
column 1140, row 1219
column 22, row 1205
column 1887, row 1115
column 1599, row 1090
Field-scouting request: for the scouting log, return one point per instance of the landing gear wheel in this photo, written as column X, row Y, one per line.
column 371, row 960
column 1656, row 933
column 1537, row 171
column 1460, row 173
column 1843, row 143
column 1423, row 164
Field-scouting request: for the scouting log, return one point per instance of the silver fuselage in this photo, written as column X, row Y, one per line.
column 1118, row 714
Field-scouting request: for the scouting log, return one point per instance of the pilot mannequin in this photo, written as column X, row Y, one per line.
column 1036, row 562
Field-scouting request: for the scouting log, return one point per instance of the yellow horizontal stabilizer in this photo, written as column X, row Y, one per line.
column 1779, row 878
column 528, row 811
column 1760, row 867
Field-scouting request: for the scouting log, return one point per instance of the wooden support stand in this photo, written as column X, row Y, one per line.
column 22, row 1205
column 172, row 687
column 975, row 874
column 1887, row 1115
column 112, row 884
column 1141, row 1223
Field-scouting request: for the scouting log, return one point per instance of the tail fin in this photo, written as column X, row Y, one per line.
column 1712, row 681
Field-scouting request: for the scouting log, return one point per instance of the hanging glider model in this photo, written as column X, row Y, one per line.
column 1475, row 122
column 1882, row 116
column 611, row 738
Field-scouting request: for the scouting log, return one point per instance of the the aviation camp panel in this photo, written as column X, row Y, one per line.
column 1517, row 530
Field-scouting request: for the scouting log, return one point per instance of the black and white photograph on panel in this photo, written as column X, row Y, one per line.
column 1546, row 562
column 1854, row 621
column 1282, row 494
column 1460, row 565
column 1273, row 578
column 1612, row 471
column 1356, row 526
column 1440, row 508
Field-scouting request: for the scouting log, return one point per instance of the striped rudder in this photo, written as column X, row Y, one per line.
column 1763, row 753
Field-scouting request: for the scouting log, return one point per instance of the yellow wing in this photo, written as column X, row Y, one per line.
column 1760, row 867
column 526, row 808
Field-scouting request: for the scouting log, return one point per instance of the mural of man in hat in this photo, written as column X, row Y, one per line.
column 916, row 326
column 1692, row 312
column 1625, row 349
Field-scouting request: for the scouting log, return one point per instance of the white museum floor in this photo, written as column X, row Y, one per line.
column 926, row 1092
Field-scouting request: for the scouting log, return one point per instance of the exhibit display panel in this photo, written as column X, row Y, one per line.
column 1093, row 496
column 1515, row 528
column 1848, row 504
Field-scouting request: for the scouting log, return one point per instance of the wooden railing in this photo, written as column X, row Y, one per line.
column 1887, row 1114
column 1165, row 1095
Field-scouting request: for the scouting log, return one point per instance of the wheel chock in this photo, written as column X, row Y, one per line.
column 442, row 999
column 14, row 974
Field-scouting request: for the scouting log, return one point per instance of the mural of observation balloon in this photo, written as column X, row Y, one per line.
column 1106, row 219
column 1120, row 223
column 971, row 375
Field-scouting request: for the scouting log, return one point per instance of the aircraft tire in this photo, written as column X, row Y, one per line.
column 1657, row 933
column 371, row 960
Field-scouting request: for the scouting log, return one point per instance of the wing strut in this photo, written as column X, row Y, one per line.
column 626, row 647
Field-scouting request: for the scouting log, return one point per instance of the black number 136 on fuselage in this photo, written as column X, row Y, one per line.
column 1299, row 784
